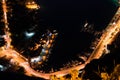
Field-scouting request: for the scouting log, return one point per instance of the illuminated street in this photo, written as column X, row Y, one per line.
column 107, row 37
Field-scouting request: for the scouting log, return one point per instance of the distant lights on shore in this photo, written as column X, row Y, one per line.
column 29, row 34
column 32, row 5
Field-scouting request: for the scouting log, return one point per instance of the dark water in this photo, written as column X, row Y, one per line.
column 67, row 17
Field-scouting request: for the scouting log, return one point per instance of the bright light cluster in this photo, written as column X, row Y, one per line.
column 32, row 5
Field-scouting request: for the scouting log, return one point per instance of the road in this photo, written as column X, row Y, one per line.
column 107, row 37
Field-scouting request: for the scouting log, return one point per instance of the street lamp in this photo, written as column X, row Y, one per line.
column 31, row 4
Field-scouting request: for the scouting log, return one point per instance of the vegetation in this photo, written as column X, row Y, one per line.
column 74, row 75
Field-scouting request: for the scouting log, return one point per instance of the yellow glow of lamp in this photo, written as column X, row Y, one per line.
column 32, row 5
